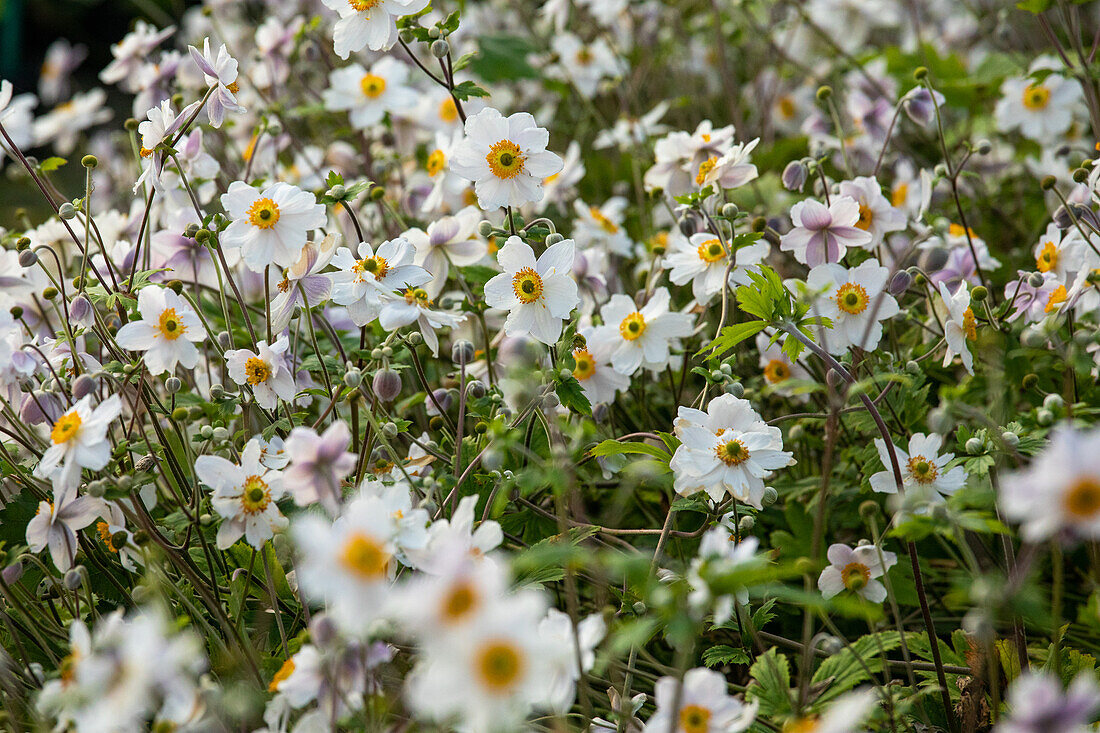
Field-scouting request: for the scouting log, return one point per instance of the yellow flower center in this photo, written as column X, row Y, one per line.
column 264, row 213
column 704, row 169
column 459, row 601
column 505, row 159
column 866, row 218
column 923, row 470
column 417, row 296
column 437, row 161
column 732, row 452
column 970, row 324
column 256, row 371
column 633, row 326
column 801, row 725
column 66, row 428
column 786, row 107
column 284, row 671
column 958, row 230
column 250, row 149
column 585, row 364
column 584, row 57
column 1082, row 501
column 606, row 224
column 694, row 719
column 1036, row 97
column 365, row 557
column 777, row 371
column 855, row 576
column 448, row 111
column 362, row 5
column 234, row 87
column 1058, row 296
column 711, row 251
column 170, row 325
column 899, row 194
column 256, row 495
column 145, row 152
column 375, row 265
column 851, row 298
column 372, row 85
column 1048, row 258
column 527, row 285
column 500, row 665
column 104, row 531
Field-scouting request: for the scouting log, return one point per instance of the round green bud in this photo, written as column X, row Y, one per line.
column 180, row 413
column 1044, row 416
column 869, row 509
column 759, row 224
column 804, row 565
column 49, row 293
column 770, row 496
column 176, row 286
column 920, row 73
column 553, row 238
column 378, row 193
column 485, row 228
column 974, row 446
column 824, row 92
column 119, row 540
column 979, row 293
column 436, row 422
column 1053, row 401
column 1048, row 183
column 89, row 161
column 1080, row 175
column 16, row 312
column 22, row 243
column 131, row 124
column 1010, row 438
column 481, row 427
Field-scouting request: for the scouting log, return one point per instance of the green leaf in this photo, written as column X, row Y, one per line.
column 1034, row 6
column 51, row 164
column 468, row 89
column 722, row 654
column 503, row 58
column 847, row 668
column 771, row 685
column 614, row 448
column 733, row 335
column 572, row 395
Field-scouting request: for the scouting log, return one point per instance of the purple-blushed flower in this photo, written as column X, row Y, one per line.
column 920, row 105
column 823, row 234
column 131, row 52
column 62, row 58
column 303, row 285
column 318, row 463
column 1039, row 705
column 56, row 526
column 1034, row 301
column 221, row 73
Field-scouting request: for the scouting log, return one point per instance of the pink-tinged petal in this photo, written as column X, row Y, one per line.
column 811, row 214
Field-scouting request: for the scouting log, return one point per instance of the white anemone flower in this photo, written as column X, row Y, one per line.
column 449, row 240
column 264, row 370
column 856, row 570
column 592, row 368
column 167, row 332
column 271, row 226
column 854, row 301
column 877, row 215
column 728, row 449
column 640, row 336
column 505, row 157
column 703, row 261
column 923, row 469
column 415, row 307
column 705, row 705
column 368, row 94
column 960, row 328
column 602, row 226
column 78, row 439
column 244, row 496
column 370, row 23
column 364, row 279
column 730, row 170
column 538, row 294
column 55, row 526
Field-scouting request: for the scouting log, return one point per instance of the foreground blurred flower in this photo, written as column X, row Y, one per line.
column 704, row 705
column 923, row 469
column 823, row 234
column 167, row 332
column 270, row 227
column 844, row 715
column 720, row 554
column 265, row 370
column 370, row 23
column 244, row 496
column 727, row 449
column 505, row 157
column 1038, row 704
column 367, row 95
column 1060, row 490
column 856, row 570
column 78, row 440
column 538, row 294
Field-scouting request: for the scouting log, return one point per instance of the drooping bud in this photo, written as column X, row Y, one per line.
column 387, row 384
column 462, row 352
column 795, row 175
column 84, row 385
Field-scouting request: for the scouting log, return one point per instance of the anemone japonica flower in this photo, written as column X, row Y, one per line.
column 877, row 215
column 271, row 226
column 730, row 170
column 705, row 705
column 923, row 469
column 602, row 226
column 220, row 72
column 363, row 280
column 557, row 629
column 449, row 240
column 367, row 95
column 538, row 294
column 303, row 285
column 1040, row 110
column 55, row 526
column 415, row 307
column 1037, row 703
column 703, row 260
column 720, row 554
column 457, row 536
column 244, row 496
column 264, row 370
column 592, row 368
column 1060, row 252
column 640, row 336
column 16, row 115
column 680, row 154
column 318, row 464
column 370, row 23
column 584, row 64
column 1060, row 491
column 161, row 124
column 821, row 234
column 133, row 50
column 505, row 157
column 78, row 439
column 845, row 714
column 167, row 332
column 780, row 373
column 960, row 327
column 856, row 571
column 728, row 449
column 854, row 302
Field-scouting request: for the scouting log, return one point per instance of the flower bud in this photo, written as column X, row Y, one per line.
column 462, row 352
column 49, row 293
column 1048, row 183
column 217, row 391
column 440, row 48
column 1010, row 438
column 89, row 161
column 338, row 192
column 794, row 175
column 173, row 384
column 485, row 228
column 868, row 509
column 553, row 238
column 747, row 524
column 974, row 446
column 550, row 401
column 769, row 497
column 13, row 573
column 16, row 312
column 824, row 92
column 476, row 388
column 67, row 211
column 1044, row 416
column 224, row 340
column 386, row 384
column 389, row 430
column 736, row 389
column 1029, row 381
column 220, row 433
column 1035, row 279
column 730, row 210
column 146, row 463
column 83, row 386
column 73, row 578
column 28, row 258
column 900, row 282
